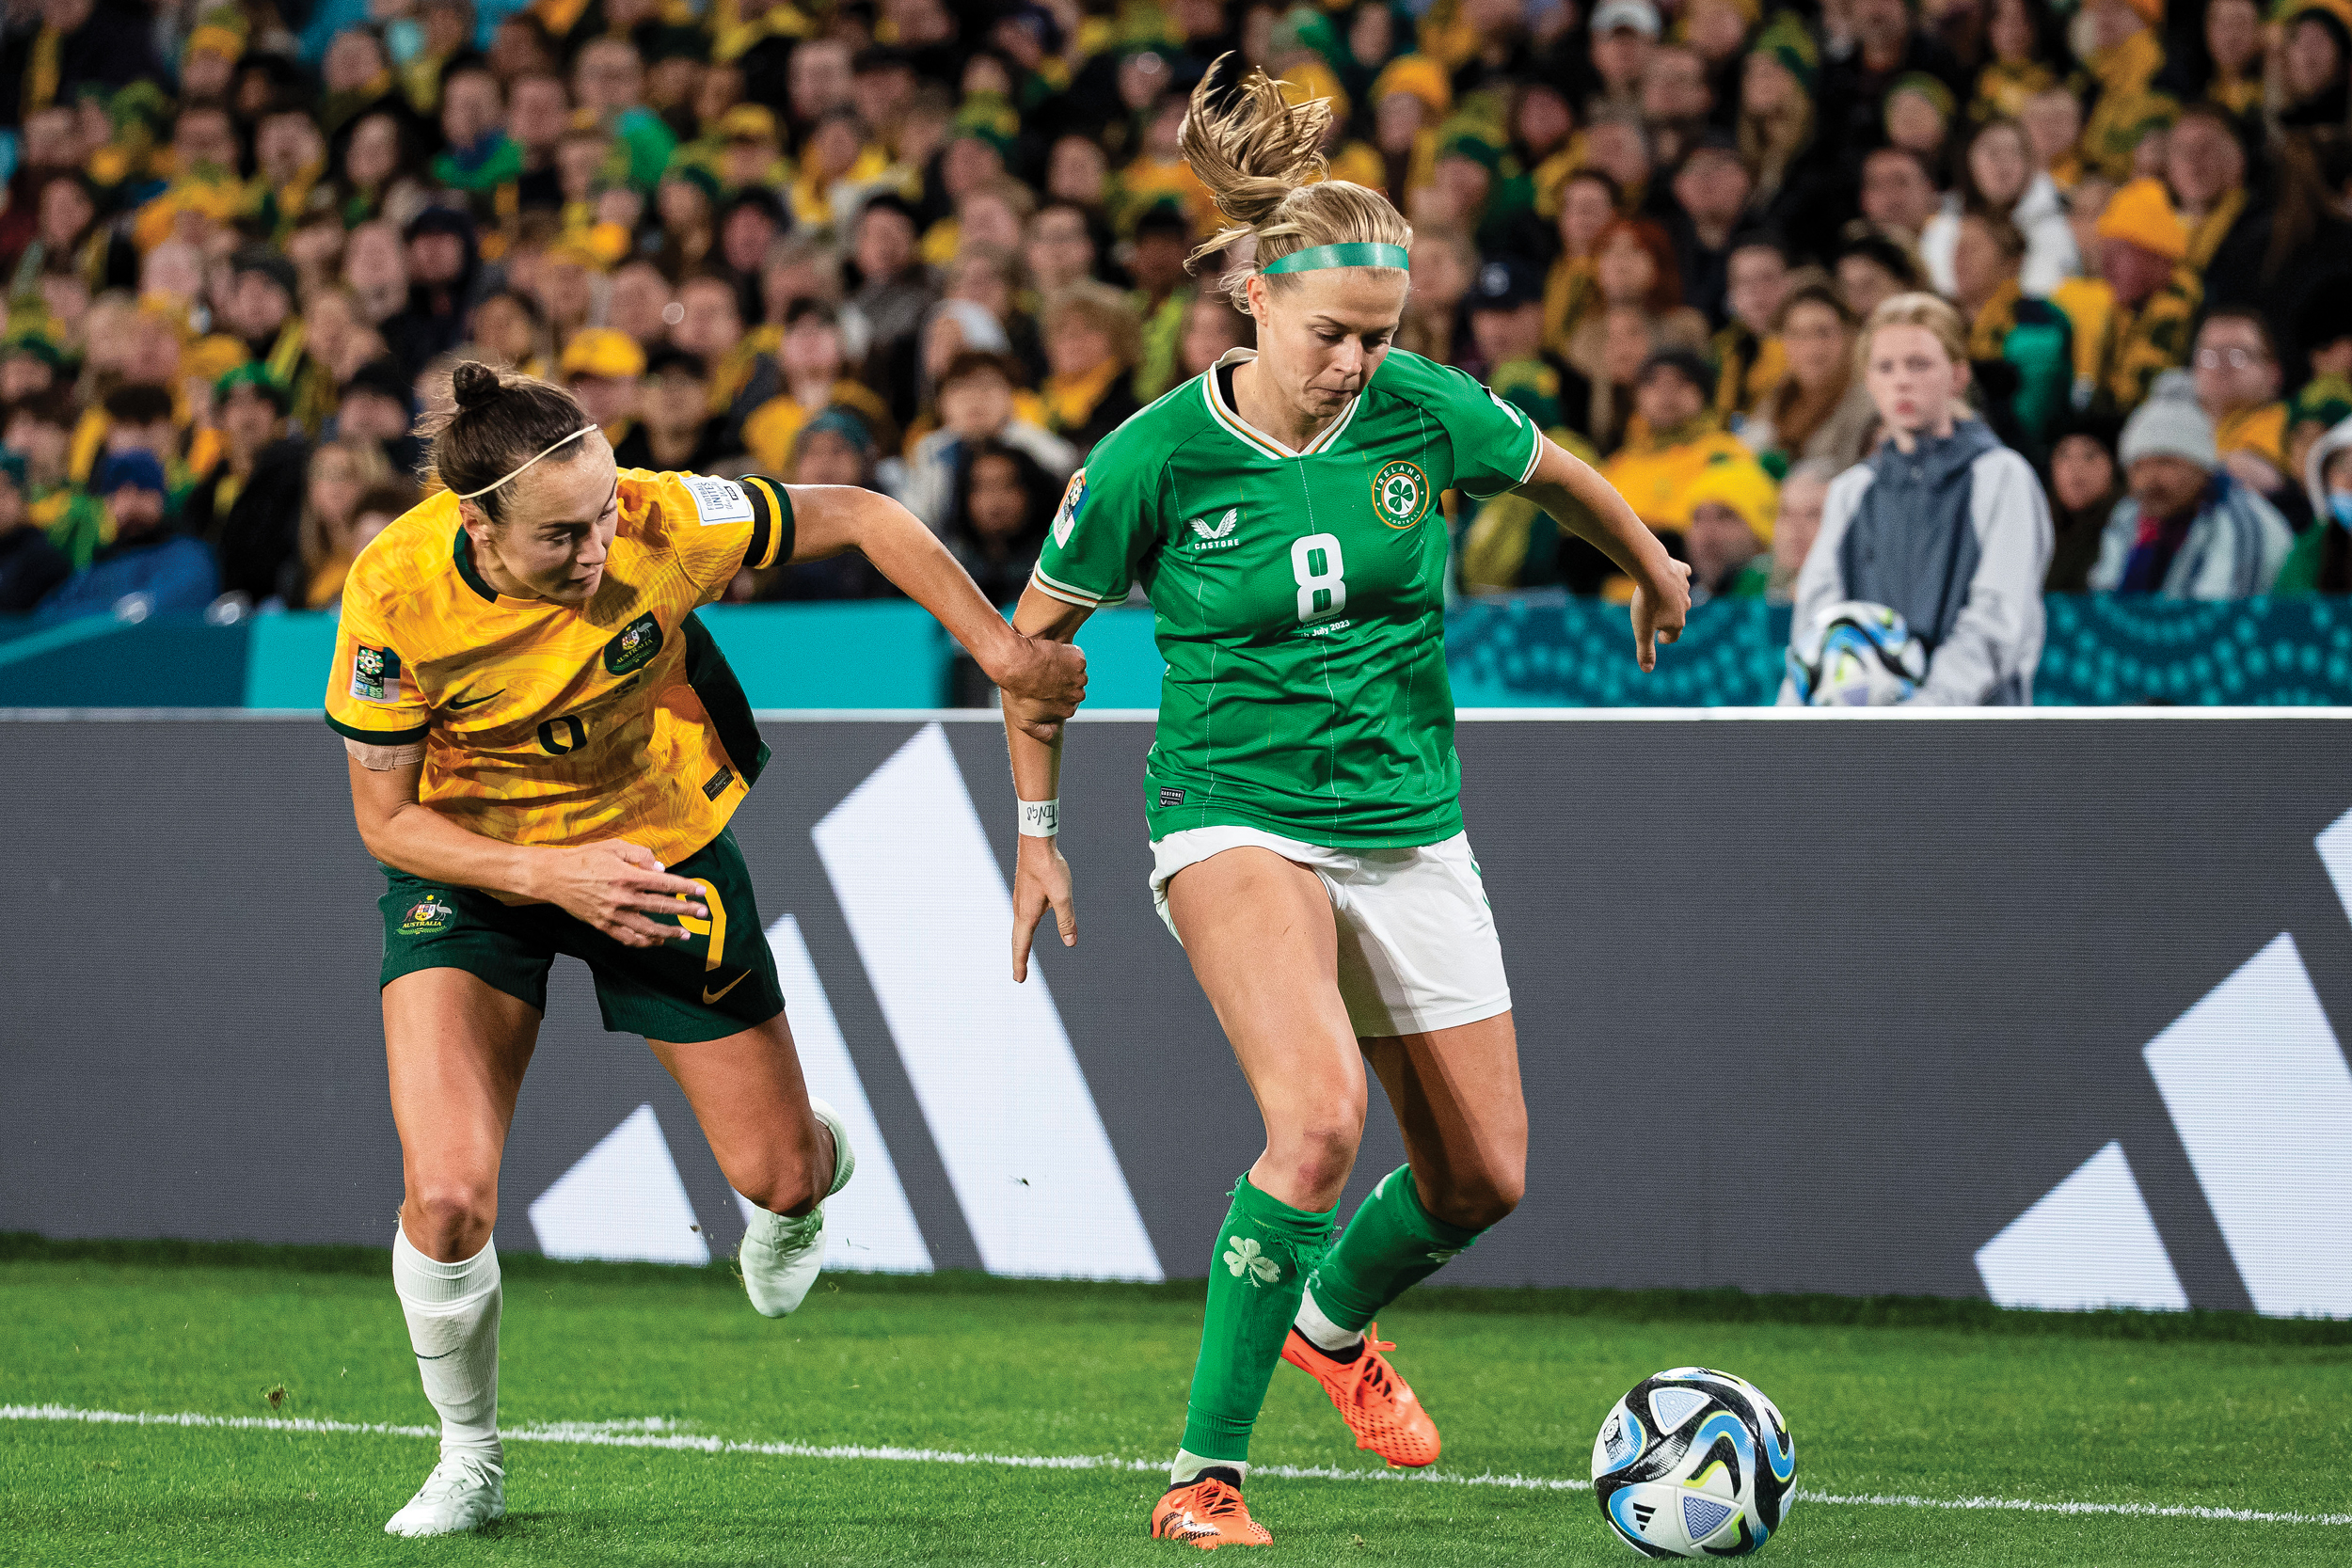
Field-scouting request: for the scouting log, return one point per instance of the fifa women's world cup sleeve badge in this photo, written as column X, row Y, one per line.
column 1066, row 515
column 375, row 675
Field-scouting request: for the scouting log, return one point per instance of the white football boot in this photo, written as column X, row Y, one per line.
column 466, row 1490
column 780, row 1258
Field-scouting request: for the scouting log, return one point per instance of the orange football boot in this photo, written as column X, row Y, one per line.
column 1208, row 1513
column 1378, row 1405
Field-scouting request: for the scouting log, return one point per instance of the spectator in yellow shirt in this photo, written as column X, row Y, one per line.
column 1672, row 438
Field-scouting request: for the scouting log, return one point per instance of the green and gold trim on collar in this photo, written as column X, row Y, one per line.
column 462, row 552
column 1212, row 394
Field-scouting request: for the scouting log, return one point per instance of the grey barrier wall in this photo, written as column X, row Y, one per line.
column 2034, row 1007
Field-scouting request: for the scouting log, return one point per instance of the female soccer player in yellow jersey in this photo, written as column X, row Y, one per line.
column 1302, row 790
column 546, row 749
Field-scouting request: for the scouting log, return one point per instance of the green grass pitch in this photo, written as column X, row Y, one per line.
column 1923, row 1400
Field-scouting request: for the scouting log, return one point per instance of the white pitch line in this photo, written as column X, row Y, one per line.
column 657, row 1432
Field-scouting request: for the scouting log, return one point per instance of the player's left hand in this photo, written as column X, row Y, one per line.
column 1043, row 681
column 1659, row 611
column 1040, row 879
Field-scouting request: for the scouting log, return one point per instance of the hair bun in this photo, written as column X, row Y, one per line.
column 473, row 384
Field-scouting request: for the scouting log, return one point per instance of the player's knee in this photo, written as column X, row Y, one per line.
column 1320, row 1153
column 454, row 1214
column 783, row 1182
column 1479, row 1199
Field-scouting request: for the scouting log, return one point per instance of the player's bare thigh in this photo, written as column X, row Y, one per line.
column 1263, row 942
column 1459, row 1102
column 456, row 1048
column 748, row 1093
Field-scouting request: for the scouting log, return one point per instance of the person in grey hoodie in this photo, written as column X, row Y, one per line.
column 1941, row 524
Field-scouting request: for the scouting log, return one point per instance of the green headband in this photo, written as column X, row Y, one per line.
column 1324, row 256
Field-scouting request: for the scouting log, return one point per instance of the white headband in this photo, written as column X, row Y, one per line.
column 565, row 443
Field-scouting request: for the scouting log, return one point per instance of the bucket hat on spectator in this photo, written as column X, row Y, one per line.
column 35, row 345
column 749, row 122
column 600, row 352
column 1791, row 47
column 255, row 375
column 131, row 470
column 1687, row 363
column 2170, row 424
column 1639, row 15
column 1743, row 488
column 2141, row 213
column 840, row 423
column 1505, row 284
column 1419, row 77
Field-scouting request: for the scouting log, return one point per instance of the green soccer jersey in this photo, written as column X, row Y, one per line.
column 1300, row 599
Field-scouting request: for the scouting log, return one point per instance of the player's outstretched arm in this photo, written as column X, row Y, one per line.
column 1050, row 678
column 1040, row 876
column 616, row 887
column 1585, row 503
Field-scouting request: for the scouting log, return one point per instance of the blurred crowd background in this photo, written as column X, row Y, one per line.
column 937, row 247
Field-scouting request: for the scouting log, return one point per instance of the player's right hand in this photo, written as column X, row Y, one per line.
column 1659, row 613
column 1047, row 676
column 618, row 888
column 1040, row 878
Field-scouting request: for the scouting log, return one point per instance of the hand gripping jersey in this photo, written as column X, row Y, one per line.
column 551, row 724
column 1298, row 598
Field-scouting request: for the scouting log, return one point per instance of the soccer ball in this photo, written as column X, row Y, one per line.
column 1695, row 1463
column 1857, row 655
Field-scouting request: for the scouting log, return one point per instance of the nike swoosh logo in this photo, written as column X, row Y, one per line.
column 456, row 706
column 709, row 996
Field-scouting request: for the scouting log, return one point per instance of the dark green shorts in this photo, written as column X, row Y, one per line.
column 719, row 981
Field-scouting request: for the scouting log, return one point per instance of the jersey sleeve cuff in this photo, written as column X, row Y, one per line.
column 378, row 737
column 772, row 523
column 1534, row 455
column 1071, row 593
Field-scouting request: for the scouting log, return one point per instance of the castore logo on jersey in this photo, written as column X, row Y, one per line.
column 1220, row 536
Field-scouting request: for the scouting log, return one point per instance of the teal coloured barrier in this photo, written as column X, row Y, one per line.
column 1124, row 663
column 879, row 654
column 1552, row 651
column 2104, row 651
column 1526, row 652
column 286, row 661
column 168, row 661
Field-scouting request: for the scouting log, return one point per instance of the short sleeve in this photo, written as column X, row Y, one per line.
column 372, row 695
column 1495, row 445
column 718, row 527
column 1107, row 524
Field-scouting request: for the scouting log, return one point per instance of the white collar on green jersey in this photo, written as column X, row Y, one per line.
column 1249, row 435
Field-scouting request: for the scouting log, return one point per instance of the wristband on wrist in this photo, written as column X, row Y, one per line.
column 1041, row 818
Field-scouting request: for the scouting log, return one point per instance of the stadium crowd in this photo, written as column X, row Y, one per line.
column 937, row 247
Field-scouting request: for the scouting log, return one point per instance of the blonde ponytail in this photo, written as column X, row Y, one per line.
column 1262, row 159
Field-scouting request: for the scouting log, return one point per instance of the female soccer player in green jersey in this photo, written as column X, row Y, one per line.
column 1302, row 792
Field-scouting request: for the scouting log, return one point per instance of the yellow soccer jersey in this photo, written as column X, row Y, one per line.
column 544, row 724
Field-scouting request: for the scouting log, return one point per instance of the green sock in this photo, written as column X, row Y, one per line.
column 1393, row 1245
column 1265, row 1251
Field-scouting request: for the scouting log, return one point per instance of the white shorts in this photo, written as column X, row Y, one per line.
column 1418, row 949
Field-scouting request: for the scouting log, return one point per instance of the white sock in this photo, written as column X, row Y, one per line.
column 1188, row 1466
column 1318, row 1327
column 452, row 1312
